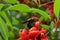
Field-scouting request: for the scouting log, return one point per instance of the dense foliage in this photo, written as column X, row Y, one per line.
column 29, row 20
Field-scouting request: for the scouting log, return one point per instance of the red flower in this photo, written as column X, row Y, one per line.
column 44, row 38
column 42, row 30
column 24, row 33
column 33, row 29
column 50, row 7
column 51, row 11
column 43, row 34
column 37, row 24
column 33, row 34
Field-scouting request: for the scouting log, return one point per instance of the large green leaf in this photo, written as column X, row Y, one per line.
column 3, row 14
column 57, row 8
column 25, row 8
column 3, row 29
column 11, row 1
column 44, row 14
column 19, row 7
column 1, row 5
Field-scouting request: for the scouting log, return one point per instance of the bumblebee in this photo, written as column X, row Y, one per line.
column 31, row 21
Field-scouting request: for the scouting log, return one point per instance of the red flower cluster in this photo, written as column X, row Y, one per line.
column 34, row 33
column 50, row 7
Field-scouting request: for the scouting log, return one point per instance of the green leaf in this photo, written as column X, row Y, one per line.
column 1, row 38
column 1, row 5
column 25, row 14
column 14, row 21
column 16, row 28
column 5, row 6
column 11, row 1
column 3, row 14
column 52, row 25
column 41, row 19
column 44, row 14
column 57, row 8
column 11, row 35
column 19, row 7
column 45, row 26
column 3, row 29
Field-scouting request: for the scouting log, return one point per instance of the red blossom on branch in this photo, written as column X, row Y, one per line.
column 33, row 34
